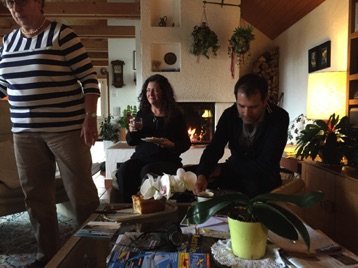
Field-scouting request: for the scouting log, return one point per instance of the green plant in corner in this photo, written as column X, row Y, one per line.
column 203, row 40
column 127, row 114
column 263, row 208
column 326, row 139
column 108, row 130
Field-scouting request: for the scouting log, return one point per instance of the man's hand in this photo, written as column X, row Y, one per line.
column 200, row 185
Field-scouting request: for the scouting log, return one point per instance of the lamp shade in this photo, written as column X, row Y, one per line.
column 326, row 94
column 207, row 114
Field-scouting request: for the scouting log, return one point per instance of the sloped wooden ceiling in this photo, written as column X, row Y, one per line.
column 88, row 19
column 272, row 17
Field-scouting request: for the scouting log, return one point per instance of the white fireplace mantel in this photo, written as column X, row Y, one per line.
column 121, row 151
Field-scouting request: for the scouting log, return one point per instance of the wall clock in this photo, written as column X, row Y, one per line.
column 117, row 68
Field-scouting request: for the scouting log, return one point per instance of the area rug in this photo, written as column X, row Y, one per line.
column 17, row 242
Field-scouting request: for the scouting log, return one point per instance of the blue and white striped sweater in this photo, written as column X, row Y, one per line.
column 46, row 78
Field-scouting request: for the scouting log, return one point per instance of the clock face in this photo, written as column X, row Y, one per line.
column 117, row 69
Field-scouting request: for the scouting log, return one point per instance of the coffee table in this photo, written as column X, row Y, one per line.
column 92, row 252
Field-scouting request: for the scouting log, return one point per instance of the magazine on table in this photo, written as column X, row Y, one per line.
column 99, row 229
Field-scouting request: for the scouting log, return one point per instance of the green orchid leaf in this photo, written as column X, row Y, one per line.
column 275, row 221
column 202, row 211
column 304, row 200
column 297, row 223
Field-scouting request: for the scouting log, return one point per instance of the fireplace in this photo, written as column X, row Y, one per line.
column 199, row 117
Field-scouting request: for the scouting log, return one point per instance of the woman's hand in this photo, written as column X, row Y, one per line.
column 89, row 130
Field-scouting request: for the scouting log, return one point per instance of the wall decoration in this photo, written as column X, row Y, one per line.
column 313, row 59
column 319, row 57
column 170, row 58
column 324, row 56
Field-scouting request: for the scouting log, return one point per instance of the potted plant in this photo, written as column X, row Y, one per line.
column 262, row 212
column 239, row 43
column 326, row 139
column 108, row 131
column 203, row 40
column 123, row 121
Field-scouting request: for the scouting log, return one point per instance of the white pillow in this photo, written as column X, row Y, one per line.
column 8, row 169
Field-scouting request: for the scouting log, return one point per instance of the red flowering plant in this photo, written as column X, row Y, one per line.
column 327, row 139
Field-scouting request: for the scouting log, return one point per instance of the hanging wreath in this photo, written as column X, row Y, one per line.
column 239, row 44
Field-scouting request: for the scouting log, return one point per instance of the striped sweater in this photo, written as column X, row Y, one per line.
column 45, row 79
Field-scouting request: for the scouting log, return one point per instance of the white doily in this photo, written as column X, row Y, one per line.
column 222, row 253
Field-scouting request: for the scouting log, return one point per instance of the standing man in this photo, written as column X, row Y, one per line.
column 52, row 89
column 256, row 133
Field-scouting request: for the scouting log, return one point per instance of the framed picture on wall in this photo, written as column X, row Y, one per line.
column 324, row 51
column 313, row 59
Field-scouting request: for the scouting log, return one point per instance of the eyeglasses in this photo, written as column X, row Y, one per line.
column 20, row 3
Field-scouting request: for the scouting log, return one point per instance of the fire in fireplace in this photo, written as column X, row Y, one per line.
column 199, row 117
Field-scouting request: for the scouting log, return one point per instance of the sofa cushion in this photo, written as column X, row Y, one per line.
column 8, row 169
column 295, row 127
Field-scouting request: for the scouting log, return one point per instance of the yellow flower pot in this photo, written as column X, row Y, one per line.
column 248, row 239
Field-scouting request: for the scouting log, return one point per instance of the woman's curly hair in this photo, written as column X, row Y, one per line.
column 169, row 104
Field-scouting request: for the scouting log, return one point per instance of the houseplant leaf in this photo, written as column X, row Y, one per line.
column 262, row 207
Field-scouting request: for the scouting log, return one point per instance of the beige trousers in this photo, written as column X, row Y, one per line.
column 36, row 157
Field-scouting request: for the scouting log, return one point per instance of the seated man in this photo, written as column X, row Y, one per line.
column 256, row 133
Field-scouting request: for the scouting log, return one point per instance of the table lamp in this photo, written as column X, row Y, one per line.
column 326, row 94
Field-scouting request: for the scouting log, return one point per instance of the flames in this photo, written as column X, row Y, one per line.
column 194, row 137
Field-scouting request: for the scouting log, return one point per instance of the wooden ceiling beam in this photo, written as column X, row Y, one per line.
column 104, row 31
column 97, row 63
column 98, row 55
column 89, row 10
column 96, row 31
column 95, row 45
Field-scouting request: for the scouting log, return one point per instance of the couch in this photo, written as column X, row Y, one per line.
column 11, row 195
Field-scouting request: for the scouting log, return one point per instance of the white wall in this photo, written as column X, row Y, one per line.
column 329, row 21
column 208, row 79
column 122, row 49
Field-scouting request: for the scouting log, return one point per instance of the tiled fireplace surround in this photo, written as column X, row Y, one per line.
column 121, row 152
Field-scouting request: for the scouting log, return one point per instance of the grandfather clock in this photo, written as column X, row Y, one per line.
column 117, row 67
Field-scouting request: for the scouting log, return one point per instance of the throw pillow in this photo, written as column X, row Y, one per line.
column 8, row 169
column 294, row 129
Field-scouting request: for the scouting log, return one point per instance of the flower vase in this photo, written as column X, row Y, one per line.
column 248, row 239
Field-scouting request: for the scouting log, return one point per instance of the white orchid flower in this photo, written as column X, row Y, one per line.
column 190, row 180
column 167, row 185
column 187, row 178
column 157, row 195
column 149, row 187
